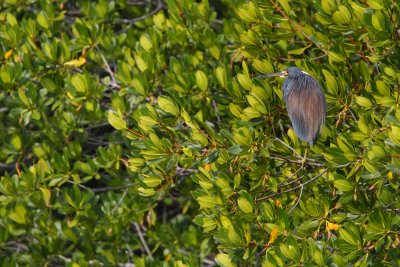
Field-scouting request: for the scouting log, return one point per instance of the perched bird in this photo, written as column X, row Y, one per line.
column 305, row 103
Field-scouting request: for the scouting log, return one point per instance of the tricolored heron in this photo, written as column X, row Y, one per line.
column 305, row 102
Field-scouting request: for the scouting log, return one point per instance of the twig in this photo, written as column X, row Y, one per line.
column 298, row 162
column 289, row 178
column 286, row 183
column 120, row 200
column 293, row 188
column 105, row 189
column 143, row 241
column 297, row 201
column 288, row 147
column 130, row 22
column 114, row 84
column 184, row 172
column 65, row 259
column 216, row 110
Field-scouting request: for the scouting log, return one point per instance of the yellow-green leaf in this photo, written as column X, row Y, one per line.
column 145, row 43
column 18, row 215
column 207, row 201
column 224, row 260
column 220, row 72
column 244, row 81
column 43, row 20
column 167, row 105
column 116, row 121
column 46, row 193
column 245, row 205
column 343, row 185
column 201, row 80
column 75, row 62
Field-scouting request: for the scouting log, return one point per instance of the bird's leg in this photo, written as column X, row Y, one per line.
column 303, row 161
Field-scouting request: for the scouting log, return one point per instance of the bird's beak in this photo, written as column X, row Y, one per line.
column 282, row 74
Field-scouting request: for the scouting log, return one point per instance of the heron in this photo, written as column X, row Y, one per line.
column 305, row 103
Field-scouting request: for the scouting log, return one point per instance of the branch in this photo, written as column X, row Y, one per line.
column 130, row 22
column 114, row 84
column 283, row 143
column 294, row 188
column 104, row 189
column 143, row 241
column 297, row 201
column 120, row 200
column 298, row 162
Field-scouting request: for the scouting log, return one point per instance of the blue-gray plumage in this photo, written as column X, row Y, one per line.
column 305, row 103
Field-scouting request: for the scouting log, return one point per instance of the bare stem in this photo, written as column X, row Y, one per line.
column 293, row 188
column 297, row 201
column 114, row 84
column 142, row 240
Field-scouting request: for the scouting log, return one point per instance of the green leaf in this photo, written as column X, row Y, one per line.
column 80, row 83
column 43, row 20
column 220, row 72
column 145, row 43
column 298, row 51
column 224, row 260
column 159, row 20
column 245, row 205
column 141, row 63
column 46, row 193
column 263, row 66
column 24, row 98
column 166, row 104
column 343, row 185
column 207, row 201
column 234, row 150
column 330, row 82
column 363, row 101
column 342, row 16
column 16, row 141
column 18, row 215
column 244, row 81
column 236, row 110
column 152, row 181
column 201, row 80
column 347, row 236
column 116, row 121
column 334, row 56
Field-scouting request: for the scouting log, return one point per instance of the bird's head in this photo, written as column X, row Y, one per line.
column 291, row 73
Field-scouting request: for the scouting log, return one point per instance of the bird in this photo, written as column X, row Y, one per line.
column 305, row 103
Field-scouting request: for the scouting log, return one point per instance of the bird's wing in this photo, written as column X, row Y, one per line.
column 306, row 109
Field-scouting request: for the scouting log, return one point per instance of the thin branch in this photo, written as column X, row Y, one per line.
column 297, row 201
column 184, row 172
column 216, row 110
column 286, row 182
column 120, row 200
column 298, row 162
column 293, row 188
column 130, row 22
column 105, row 189
column 114, row 84
column 142, row 240
column 283, row 143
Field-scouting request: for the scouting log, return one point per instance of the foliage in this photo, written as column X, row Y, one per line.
column 136, row 132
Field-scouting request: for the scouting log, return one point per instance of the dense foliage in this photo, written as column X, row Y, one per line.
column 135, row 132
